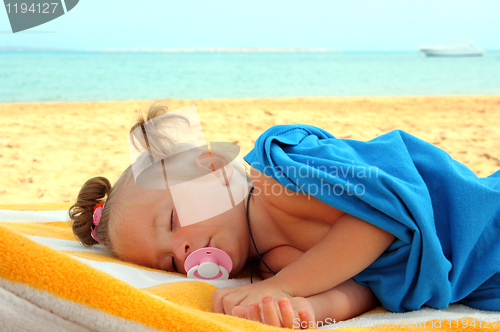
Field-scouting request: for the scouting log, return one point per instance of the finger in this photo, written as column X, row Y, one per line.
column 217, row 301
column 307, row 319
column 228, row 304
column 254, row 312
column 240, row 311
column 287, row 313
column 270, row 313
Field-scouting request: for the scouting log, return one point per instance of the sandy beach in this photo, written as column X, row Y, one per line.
column 48, row 150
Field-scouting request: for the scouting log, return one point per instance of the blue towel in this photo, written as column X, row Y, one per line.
column 446, row 220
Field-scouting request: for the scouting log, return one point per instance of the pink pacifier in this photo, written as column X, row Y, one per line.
column 208, row 264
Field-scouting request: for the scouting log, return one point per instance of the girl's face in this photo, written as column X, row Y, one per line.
column 147, row 231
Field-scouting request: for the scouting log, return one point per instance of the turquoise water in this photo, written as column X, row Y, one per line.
column 79, row 76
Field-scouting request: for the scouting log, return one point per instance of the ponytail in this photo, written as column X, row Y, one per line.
column 94, row 191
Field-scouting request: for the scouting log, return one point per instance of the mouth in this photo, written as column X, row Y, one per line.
column 208, row 244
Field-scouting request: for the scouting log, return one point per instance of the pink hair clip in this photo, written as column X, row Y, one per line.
column 96, row 218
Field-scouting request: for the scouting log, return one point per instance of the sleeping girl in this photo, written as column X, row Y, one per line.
column 336, row 226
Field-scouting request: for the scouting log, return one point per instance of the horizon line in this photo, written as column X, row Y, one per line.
column 207, row 50
column 173, row 50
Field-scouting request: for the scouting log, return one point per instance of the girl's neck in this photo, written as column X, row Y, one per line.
column 263, row 227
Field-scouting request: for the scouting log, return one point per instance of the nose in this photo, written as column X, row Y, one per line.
column 181, row 251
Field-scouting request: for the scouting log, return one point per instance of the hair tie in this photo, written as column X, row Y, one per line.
column 96, row 218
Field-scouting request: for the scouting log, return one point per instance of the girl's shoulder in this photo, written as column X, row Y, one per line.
column 291, row 203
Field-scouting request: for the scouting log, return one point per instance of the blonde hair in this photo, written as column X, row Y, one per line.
column 98, row 189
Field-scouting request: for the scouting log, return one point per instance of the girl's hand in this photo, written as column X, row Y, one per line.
column 225, row 299
column 296, row 313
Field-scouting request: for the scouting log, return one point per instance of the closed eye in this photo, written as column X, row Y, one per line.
column 172, row 220
column 171, row 229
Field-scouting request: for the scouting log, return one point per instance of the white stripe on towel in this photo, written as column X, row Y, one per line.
column 67, row 245
column 33, row 216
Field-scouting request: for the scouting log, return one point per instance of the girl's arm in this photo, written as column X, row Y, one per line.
column 345, row 301
column 342, row 302
column 347, row 248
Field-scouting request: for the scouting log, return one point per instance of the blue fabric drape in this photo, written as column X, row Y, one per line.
column 446, row 219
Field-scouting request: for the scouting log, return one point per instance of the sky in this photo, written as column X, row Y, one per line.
column 338, row 25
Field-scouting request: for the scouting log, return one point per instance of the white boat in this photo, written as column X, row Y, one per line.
column 454, row 49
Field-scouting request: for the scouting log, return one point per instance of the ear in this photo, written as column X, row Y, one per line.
column 211, row 160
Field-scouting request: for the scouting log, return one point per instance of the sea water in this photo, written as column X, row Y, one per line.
column 93, row 76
